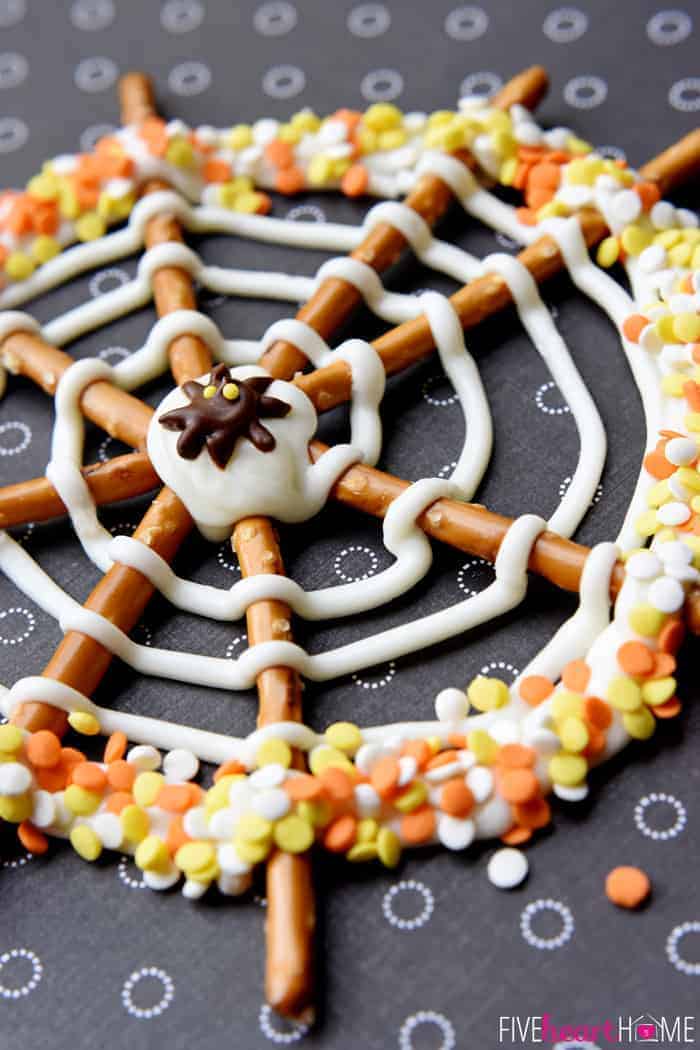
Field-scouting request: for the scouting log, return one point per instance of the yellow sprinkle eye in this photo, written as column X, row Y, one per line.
column 230, row 392
column 209, row 391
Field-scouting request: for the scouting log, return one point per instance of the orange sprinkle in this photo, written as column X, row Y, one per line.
column 303, row 788
column 290, row 181
column 31, row 838
column 279, row 154
column 526, row 216
column 46, row 217
column 531, row 153
column 121, row 775
column 671, row 636
column 418, row 826
column 691, row 392
column 596, row 742
column 658, row 466
column 544, row 176
column 340, row 835
column 118, row 801
column 521, row 175
column 649, row 193
column 385, row 776
column 55, row 779
column 70, row 756
column 443, row 759
column 355, row 181
column 669, row 709
column 337, row 785
column 154, row 133
column 196, row 793
column 90, row 776
column 576, row 676
column 516, row 836
column 349, row 117
column 536, row 197
column 232, row 767
column 633, row 326
column 694, row 347
column 419, row 750
column 176, row 836
column 534, row 814
column 457, row 740
column 627, row 887
column 215, row 170
column 516, row 756
column 664, row 665
column 456, row 798
column 635, row 658
column 535, row 689
column 175, row 798
column 264, row 204
column 43, row 749
column 115, row 748
column 597, row 712
column 518, row 785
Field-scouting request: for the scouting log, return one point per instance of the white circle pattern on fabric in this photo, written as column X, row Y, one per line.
column 13, row 134
column 12, row 12
column 369, row 20
column 466, row 23
column 111, row 354
column 379, row 682
column 685, row 95
column 226, row 562
column 304, row 212
column 611, row 152
column 565, row 25
column 284, row 82
column 9, row 991
column 381, row 85
column 25, row 437
column 113, row 277
column 14, row 863
column 585, row 92
column 437, row 402
column 92, row 135
column 564, row 487
column 421, row 917
column 181, row 16
column 147, row 1013
column 660, row 798
column 466, row 570
column 691, row 969
column 547, row 943
column 666, row 28
column 500, row 667
column 293, row 1031
column 24, row 633
column 133, row 882
column 92, row 15
column 275, row 19
column 13, row 69
column 430, row 1019
column 237, row 643
column 189, row 78
column 483, row 84
column 349, row 552
column 95, row 74
column 549, row 410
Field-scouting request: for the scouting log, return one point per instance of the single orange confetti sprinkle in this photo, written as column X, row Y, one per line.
column 627, row 887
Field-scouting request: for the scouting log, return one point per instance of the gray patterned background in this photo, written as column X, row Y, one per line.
column 430, row 957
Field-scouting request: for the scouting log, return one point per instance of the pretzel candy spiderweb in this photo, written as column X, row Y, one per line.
column 601, row 681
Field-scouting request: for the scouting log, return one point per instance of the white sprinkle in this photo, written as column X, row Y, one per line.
column 681, row 451
column 650, row 340
column 506, row 731
column 675, row 552
column 108, row 829
column 194, row 823
column 663, row 215
column 480, row 782
column 161, row 880
column 234, row 885
column 677, row 490
column 507, row 868
column 688, row 218
column 446, row 772
column 272, row 804
column 367, row 755
column 144, row 757
column 673, row 514
column 451, row 705
column 652, row 258
column 408, row 767
column 575, row 196
column 230, row 862
column 455, row 833
column 367, row 800
column 15, row 778
column 666, row 595
column 194, row 890
column 44, row 811
column 643, row 566
column 222, row 823
column 626, row 206
column 180, row 765
column 571, row 794
column 269, row 776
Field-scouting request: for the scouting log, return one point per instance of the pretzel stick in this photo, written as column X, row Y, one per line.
column 335, row 298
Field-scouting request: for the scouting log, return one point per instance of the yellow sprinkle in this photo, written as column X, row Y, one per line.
column 446, row 138
column 687, row 327
column 293, row 834
column 665, row 328
column 507, row 171
column 573, row 734
column 362, row 851
column 367, row 830
column 19, row 266
column 230, row 391
column 647, row 523
column 253, row 828
column 566, row 705
column 672, row 384
column 345, row 736
column 668, row 238
column 608, row 252
column 692, row 421
column 658, row 495
column 84, row 723
column 209, row 391
column 393, row 139
column 689, row 477
column 240, row 136
column 577, row 145
column 45, row 248
column 568, row 770
column 68, row 202
column 624, row 694
column 11, row 739
column 658, row 691
column 552, row 209
column 252, row 852
column 498, row 120
column 85, row 842
column 323, row 757
column 180, row 152
column 81, row 801
column 90, row 227
column 195, row 857
column 639, row 724
column 413, row 797
column 482, row 745
column 320, row 170
column 316, row 813
column 147, row 788
column 45, row 186
column 306, row 120
column 367, row 140
column 249, row 203
column 152, row 854
column 383, row 116
column 646, row 620
column 274, row 751
column 680, row 255
column 434, row 743
column 388, row 847
column 217, row 797
column 289, row 133
column 487, row 694
column 695, row 261
column 16, row 808
column 695, row 504
column 665, row 535
column 440, row 118
column 635, row 239
column 135, row 823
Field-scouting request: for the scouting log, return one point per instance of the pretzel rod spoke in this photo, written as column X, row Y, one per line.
column 335, row 298
column 120, row 478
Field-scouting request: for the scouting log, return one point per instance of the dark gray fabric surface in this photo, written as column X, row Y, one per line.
column 468, row 962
